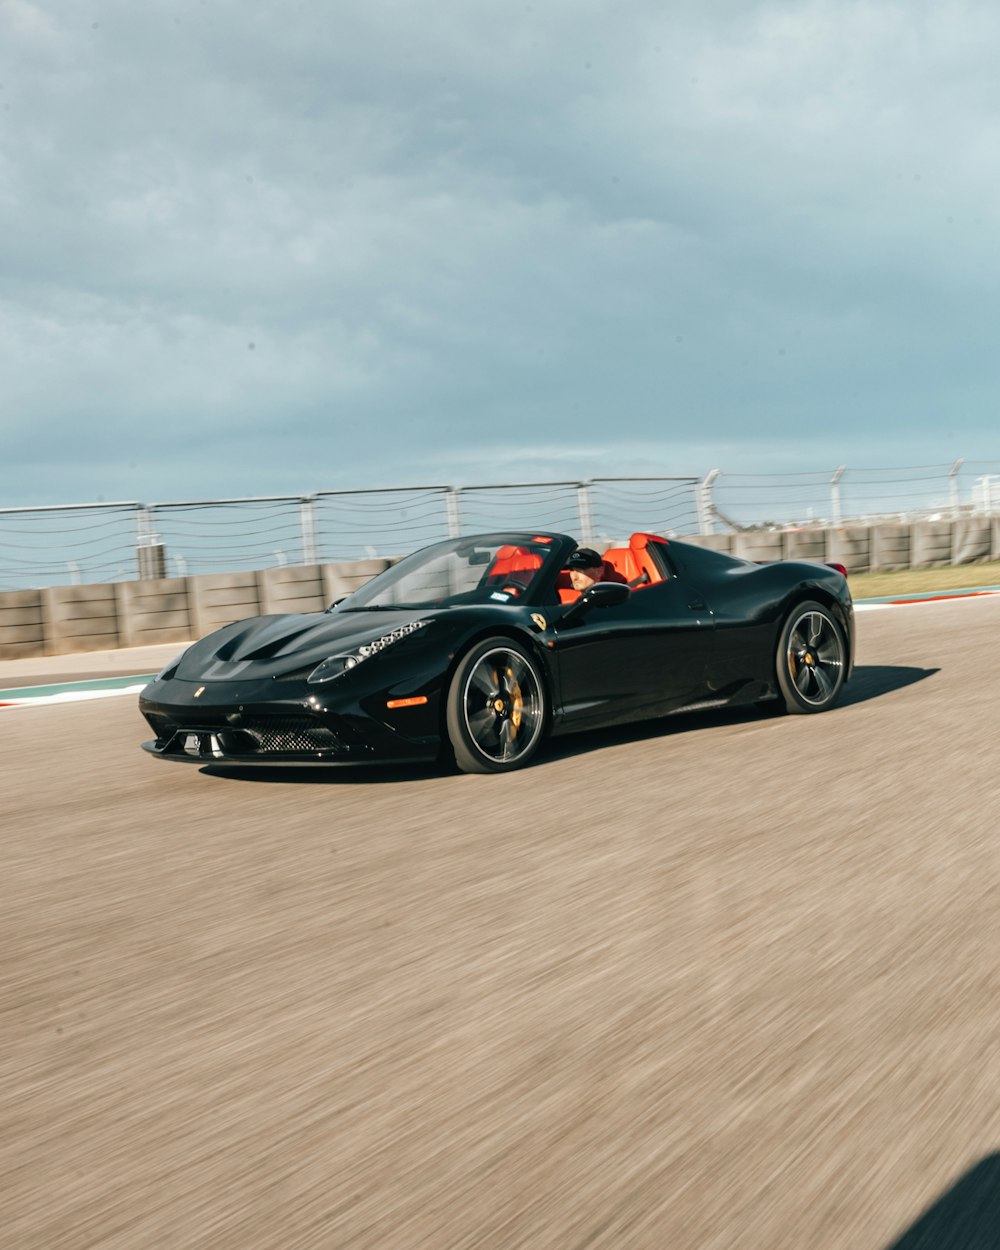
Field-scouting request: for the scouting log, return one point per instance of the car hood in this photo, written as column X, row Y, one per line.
column 275, row 646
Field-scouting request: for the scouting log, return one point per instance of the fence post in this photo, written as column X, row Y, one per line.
column 307, row 524
column 703, row 501
column 151, row 556
column 144, row 534
column 262, row 580
column 453, row 512
column 48, row 613
column 123, row 615
column 835, row 493
column 195, row 607
column 953, row 486
column 583, row 508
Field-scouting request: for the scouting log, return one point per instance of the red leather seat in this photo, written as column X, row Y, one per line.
column 635, row 562
column 513, row 564
column 623, row 561
column 639, row 546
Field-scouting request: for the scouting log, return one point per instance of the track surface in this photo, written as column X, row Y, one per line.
column 724, row 982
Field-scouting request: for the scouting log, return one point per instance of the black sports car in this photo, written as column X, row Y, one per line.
column 476, row 648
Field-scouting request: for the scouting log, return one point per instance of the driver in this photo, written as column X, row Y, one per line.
column 585, row 567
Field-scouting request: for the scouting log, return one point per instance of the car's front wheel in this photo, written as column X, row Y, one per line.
column 497, row 707
column 811, row 658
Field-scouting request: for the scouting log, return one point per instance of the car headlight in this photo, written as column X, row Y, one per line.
column 337, row 665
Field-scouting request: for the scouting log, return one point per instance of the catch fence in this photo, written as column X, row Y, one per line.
column 111, row 542
column 832, row 497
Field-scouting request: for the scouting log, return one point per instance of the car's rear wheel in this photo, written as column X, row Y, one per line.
column 811, row 659
column 497, row 707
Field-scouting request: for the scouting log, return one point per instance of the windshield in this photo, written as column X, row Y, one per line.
column 492, row 568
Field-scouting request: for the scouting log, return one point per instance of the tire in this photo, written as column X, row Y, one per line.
column 811, row 659
column 497, row 707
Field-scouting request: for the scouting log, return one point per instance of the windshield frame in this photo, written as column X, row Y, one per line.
column 553, row 548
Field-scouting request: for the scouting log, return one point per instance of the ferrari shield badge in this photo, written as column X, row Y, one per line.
column 539, row 620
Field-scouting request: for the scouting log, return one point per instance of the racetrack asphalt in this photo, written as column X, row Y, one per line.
column 723, row 981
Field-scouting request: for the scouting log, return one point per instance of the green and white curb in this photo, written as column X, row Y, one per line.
column 74, row 691
column 925, row 596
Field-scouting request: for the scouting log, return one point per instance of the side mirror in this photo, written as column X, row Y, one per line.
column 600, row 595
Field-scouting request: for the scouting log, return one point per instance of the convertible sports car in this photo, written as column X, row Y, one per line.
column 476, row 648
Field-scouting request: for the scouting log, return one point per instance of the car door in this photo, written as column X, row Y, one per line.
column 640, row 658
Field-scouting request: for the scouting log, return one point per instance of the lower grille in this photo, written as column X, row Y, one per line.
column 293, row 733
column 261, row 737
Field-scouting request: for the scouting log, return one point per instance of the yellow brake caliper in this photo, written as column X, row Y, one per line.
column 516, row 703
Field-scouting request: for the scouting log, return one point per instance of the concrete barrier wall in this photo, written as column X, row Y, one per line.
column 87, row 615
column 870, row 548
column 175, row 609
column 171, row 609
column 805, row 545
column 851, row 547
column 930, row 544
column 725, row 543
column 972, row 540
column 762, row 545
column 890, row 547
column 153, row 611
column 21, row 623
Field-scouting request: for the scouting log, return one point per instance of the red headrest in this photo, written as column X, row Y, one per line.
column 640, row 540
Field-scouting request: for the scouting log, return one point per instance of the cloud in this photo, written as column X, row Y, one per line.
column 356, row 244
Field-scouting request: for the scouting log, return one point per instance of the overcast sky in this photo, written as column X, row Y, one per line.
column 252, row 248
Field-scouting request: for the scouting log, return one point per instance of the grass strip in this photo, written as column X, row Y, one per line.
column 919, row 581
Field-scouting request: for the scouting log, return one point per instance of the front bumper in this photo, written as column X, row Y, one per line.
column 218, row 724
column 263, row 740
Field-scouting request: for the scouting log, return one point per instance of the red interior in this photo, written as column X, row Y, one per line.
column 623, row 560
column 635, row 563
column 513, row 564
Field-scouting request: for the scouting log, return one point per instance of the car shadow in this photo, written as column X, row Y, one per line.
column 327, row 774
column 869, row 681
column 966, row 1217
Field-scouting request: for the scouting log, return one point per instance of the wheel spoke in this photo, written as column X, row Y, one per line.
column 815, row 628
column 482, row 725
column 517, row 671
column 485, row 679
column 824, row 683
column 802, row 681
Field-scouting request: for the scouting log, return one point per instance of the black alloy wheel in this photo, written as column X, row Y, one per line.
column 811, row 659
column 497, row 708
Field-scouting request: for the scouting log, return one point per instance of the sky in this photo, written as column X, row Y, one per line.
column 268, row 248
